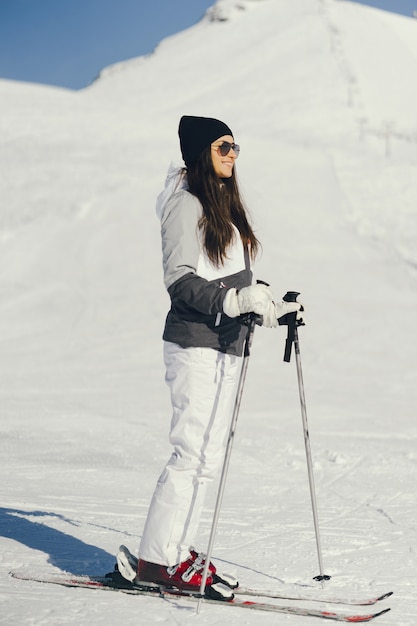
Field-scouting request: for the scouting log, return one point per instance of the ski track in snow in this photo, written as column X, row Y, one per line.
column 312, row 89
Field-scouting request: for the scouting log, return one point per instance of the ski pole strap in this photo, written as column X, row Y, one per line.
column 289, row 320
column 250, row 320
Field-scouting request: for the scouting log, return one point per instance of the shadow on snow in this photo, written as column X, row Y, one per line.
column 64, row 551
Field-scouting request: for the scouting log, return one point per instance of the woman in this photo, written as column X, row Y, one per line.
column 207, row 246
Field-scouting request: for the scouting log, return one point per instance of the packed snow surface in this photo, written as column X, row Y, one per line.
column 322, row 97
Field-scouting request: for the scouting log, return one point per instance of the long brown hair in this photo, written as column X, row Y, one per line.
column 222, row 207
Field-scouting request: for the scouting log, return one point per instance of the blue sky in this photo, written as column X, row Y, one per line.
column 67, row 42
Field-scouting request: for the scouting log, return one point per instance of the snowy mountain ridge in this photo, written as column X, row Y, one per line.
column 223, row 10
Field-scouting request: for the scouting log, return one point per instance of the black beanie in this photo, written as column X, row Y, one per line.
column 196, row 133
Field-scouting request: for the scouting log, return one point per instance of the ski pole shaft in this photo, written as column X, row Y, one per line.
column 292, row 338
column 228, row 452
column 322, row 576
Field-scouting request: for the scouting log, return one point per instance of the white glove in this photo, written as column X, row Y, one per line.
column 257, row 299
column 282, row 308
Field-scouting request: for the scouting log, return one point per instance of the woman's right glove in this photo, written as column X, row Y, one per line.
column 257, row 299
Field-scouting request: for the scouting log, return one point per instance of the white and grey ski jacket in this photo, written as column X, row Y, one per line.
column 196, row 287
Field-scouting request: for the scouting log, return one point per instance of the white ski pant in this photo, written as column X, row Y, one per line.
column 202, row 385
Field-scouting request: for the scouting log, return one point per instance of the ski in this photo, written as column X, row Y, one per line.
column 128, row 564
column 171, row 593
column 279, row 595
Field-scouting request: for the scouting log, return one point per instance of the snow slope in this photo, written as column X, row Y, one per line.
column 321, row 96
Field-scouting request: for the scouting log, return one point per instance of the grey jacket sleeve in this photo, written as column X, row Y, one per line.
column 180, row 253
column 179, row 232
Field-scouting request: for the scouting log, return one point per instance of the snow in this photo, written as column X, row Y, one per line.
column 321, row 95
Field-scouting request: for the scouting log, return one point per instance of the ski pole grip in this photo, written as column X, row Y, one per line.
column 289, row 320
column 291, row 296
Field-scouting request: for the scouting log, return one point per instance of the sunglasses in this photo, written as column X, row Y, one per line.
column 225, row 148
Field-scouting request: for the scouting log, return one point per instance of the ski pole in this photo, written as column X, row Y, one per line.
column 251, row 321
column 292, row 338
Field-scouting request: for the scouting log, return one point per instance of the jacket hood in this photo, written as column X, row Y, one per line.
column 175, row 181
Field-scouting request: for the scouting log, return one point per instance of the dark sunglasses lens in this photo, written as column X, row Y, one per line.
column 226, row 147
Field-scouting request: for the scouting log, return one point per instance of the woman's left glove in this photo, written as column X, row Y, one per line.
column 257, row 299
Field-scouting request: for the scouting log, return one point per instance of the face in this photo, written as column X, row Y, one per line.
column 223, row 165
